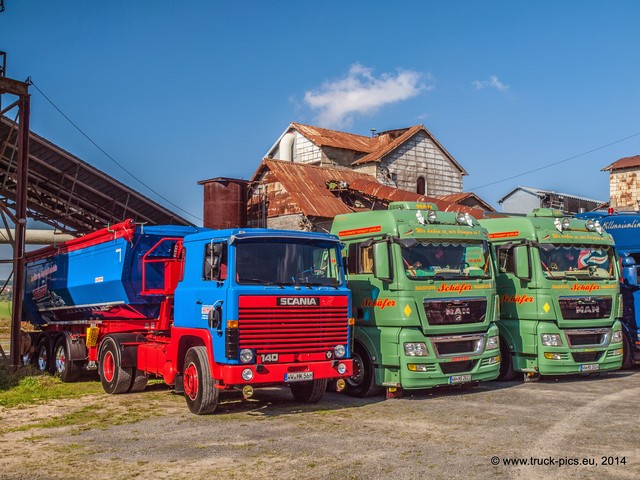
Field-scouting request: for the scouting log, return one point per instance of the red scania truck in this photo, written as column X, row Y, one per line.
column 205, row 310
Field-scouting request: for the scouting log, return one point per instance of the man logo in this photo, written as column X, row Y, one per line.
column 329, row 354
column 298, row 301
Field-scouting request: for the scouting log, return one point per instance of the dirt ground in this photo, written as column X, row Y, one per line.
column 449, row 433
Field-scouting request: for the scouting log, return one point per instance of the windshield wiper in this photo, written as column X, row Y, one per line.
column 261, row 281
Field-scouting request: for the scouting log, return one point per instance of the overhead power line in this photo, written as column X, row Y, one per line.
column 131, row 174
column 557, row 163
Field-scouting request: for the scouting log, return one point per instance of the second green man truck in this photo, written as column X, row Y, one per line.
column 559, row 295
column 424, row 298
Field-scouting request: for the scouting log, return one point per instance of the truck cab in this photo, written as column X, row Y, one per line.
column 424, row 298
column 559, row 296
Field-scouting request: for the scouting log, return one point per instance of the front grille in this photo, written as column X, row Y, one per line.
column 578, row 308
column 455, row 311
column 580, row 340
column 267, row 327
column 586, row 357
column 456, row 348
column 458, row 345
column 457, row 367
column 588, row 337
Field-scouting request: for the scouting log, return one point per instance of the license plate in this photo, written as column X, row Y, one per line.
column 589, row 368
column 298, row 376
column 459, row 378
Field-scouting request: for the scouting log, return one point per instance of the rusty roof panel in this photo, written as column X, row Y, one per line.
column 332, row 138
column 303, row 188
column 626, row 162
column 387, row 143
column 383, row 192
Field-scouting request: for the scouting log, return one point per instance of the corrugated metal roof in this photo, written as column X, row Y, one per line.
column 540, row 192
column 389, row 141
column 383, row 192
column 333, row 138
column 626, row 162
column 306, row 185
column 68, row 193
column 464, row 196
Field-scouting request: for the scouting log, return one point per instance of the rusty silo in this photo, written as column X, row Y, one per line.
column 225, row 202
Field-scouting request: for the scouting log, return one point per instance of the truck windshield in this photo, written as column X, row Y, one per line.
column 576, row 261
column 446, row 260
column 287, row 262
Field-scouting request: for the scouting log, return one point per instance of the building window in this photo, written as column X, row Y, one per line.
column 421, row 186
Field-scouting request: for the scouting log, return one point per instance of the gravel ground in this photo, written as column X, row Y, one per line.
column 448, row 433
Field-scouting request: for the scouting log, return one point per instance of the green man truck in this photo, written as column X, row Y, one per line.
column 559, row 295
column 424, row 298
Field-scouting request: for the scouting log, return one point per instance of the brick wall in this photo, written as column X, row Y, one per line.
column 623, row 188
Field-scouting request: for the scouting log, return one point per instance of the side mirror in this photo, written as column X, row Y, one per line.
column 521, row 262
column 629, row 271
column 381, row 261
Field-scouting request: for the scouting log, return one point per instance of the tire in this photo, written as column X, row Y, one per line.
column 139, row 383
column 309, row 392
column 199, row 389
column 63, row 367
column 362, row 382
column 627, row 354
column 506, row 363
column 114, row 378
column 42, row 358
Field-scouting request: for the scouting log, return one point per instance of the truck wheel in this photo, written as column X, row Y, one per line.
column 506, row 363
column 114, row 378
column 65, row 368
column 199, row 390
column 43, row 356
column 627, row 354
column 309, row 392
column 140, row 380
column 362, row 382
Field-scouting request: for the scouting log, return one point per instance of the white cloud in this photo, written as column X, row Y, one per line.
column 493, row 82
column 361, row 92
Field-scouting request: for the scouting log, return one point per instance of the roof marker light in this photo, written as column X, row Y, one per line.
column 469, row 219
column 420, row 218
column 432, row 216
column 460, row 218
column 598, row 227
column 566, row 224
column 590, row 224
column 558, row 224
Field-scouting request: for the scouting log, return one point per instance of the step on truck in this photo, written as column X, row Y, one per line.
column 424, row 299
column 624, row 227
column 205, row 310
column 559, row 295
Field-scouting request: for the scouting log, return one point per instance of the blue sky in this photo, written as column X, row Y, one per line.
column 180, row 91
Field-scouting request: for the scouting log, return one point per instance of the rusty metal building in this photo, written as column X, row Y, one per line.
column 297, row 196
column 410, row 158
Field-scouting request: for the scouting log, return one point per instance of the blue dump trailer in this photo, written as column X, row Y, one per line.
column 205, row 310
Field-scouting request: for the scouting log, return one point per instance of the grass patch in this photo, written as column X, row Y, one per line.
column 28, row 386
column 5, row 318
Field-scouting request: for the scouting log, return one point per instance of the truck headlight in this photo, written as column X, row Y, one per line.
column 247, row 374
column 551, row 340
column 616, row 337
column 493, row 343
column 339, row 351
column 246, row 355
column 415, row 349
